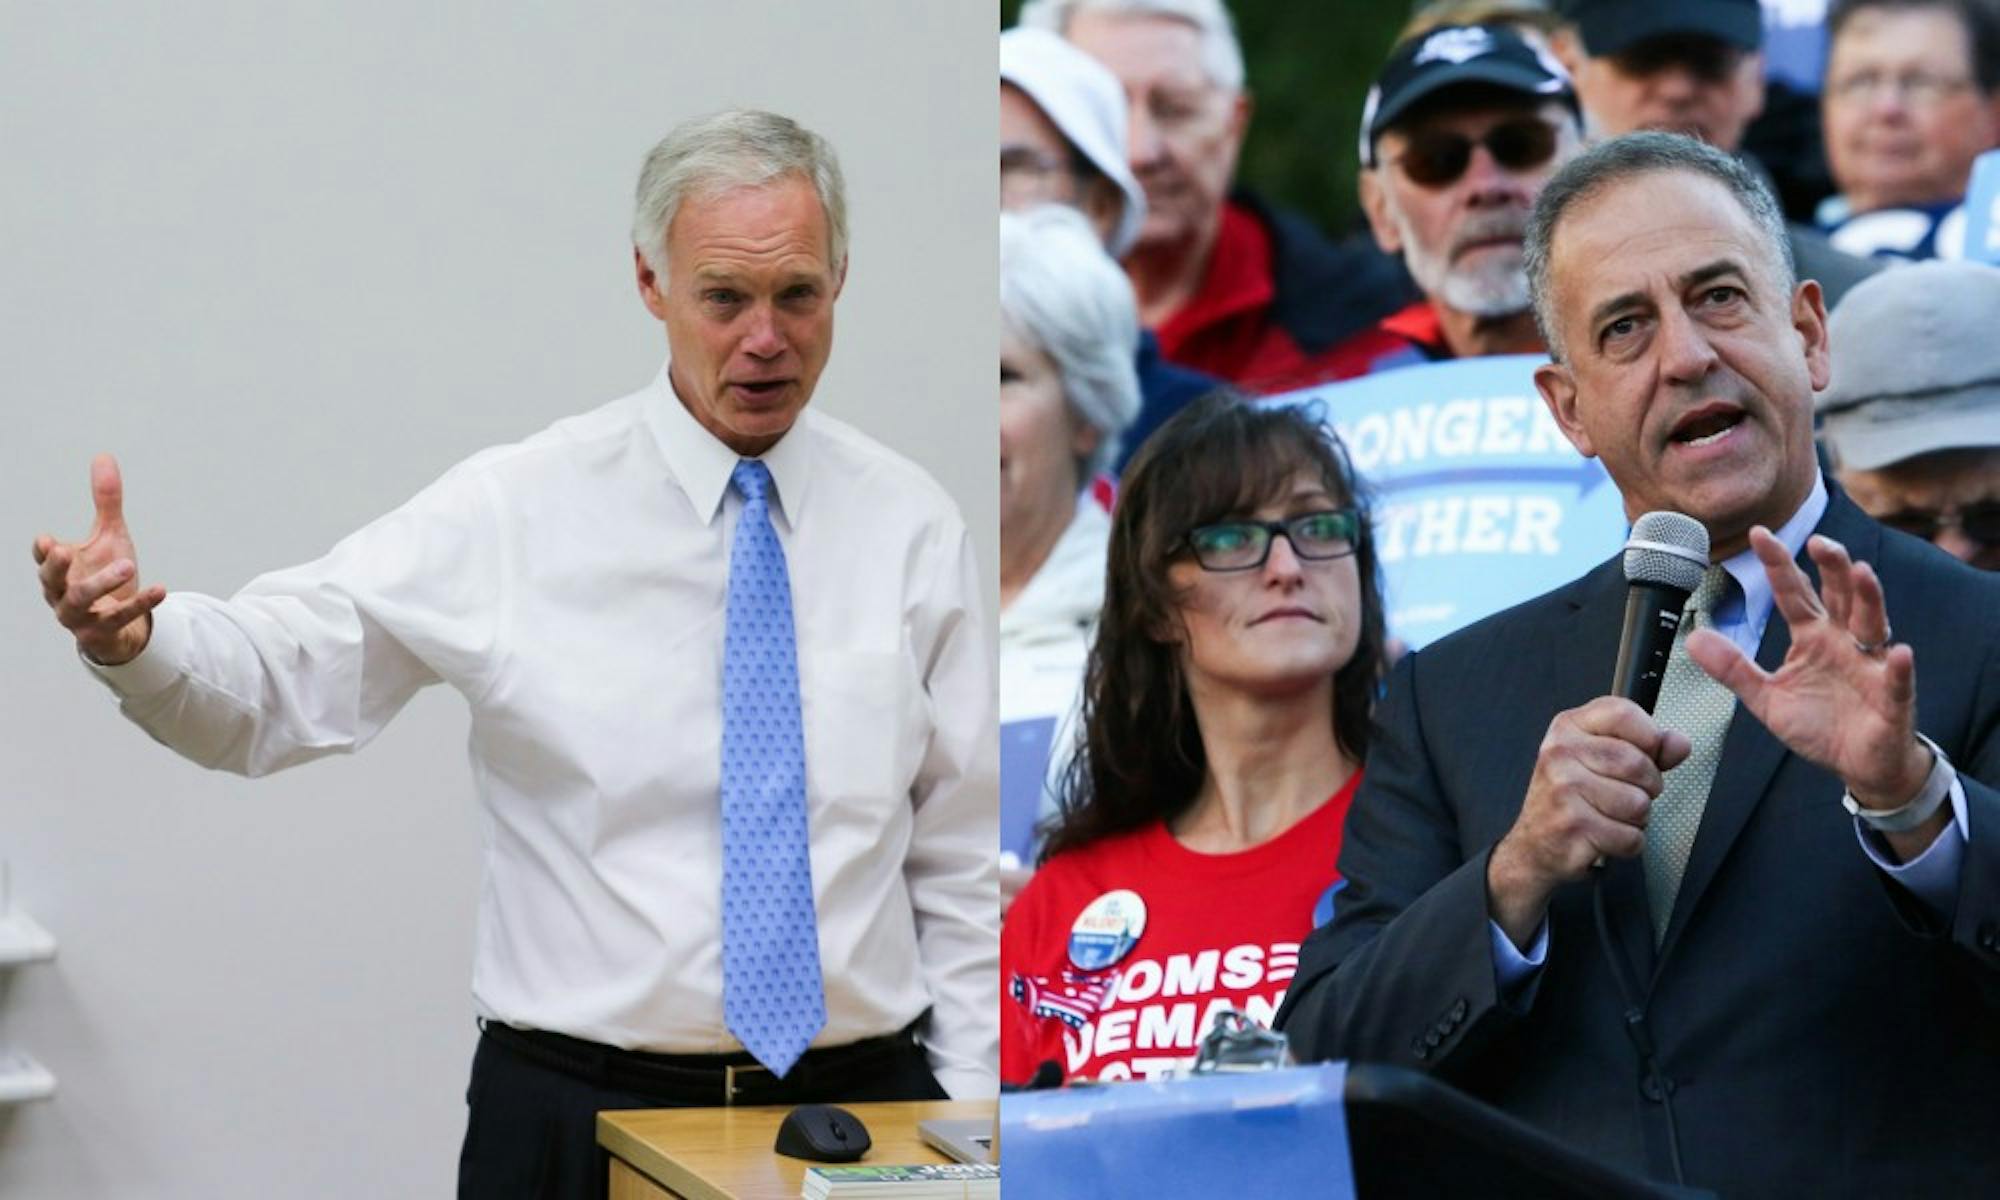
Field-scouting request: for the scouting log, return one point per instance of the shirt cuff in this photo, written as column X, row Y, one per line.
column 1514, row 973
column 1932, row 877
column 158, row 666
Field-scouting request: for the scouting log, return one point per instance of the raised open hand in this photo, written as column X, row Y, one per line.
column 93, row 585
column 1846, row 696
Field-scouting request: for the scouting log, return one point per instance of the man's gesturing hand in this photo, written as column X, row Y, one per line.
column 1846, row 695
column 1596, row 776
column 93, row 585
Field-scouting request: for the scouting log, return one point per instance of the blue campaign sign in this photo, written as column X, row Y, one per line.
column 1024, row 764
column 1481, row 502
column 1982, row 210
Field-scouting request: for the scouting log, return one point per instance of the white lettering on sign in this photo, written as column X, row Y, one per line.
column 1453, row 429
column 1485, row 524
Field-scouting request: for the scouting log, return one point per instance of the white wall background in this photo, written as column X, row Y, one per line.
column 289, row 262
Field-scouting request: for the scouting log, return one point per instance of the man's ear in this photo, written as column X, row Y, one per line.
column 840, row 279
column 1809, row 318
column 1239, row 115
column 1375, row 205
column 652, row 289
column 1558, row 388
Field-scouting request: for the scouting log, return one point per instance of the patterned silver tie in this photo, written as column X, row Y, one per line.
column 1699, row 707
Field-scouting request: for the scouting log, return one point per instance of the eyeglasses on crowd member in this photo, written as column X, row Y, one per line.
column 1912, row 96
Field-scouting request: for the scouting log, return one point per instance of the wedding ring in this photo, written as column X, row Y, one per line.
column 1873, row 648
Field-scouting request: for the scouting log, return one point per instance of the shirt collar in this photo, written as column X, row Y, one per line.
column 1753, row 585
column 701, row 465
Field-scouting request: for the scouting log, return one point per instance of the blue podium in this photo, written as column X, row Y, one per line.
column 1329, row 1131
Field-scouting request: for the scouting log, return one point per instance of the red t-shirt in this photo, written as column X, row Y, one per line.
column 1220, row 930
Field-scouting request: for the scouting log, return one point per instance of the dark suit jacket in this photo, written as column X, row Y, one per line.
column 1823, row 1035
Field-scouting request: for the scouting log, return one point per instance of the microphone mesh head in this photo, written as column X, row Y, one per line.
column 1683, row 570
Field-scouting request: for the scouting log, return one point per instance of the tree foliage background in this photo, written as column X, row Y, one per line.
column 1309, row 63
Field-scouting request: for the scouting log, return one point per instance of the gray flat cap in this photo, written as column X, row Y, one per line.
column 1916, row 364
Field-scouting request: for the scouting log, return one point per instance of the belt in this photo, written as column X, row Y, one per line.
column 701, row 1080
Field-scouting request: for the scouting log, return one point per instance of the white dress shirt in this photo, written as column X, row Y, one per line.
column 572, row 588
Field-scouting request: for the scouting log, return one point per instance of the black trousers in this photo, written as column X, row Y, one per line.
column 531, row 1128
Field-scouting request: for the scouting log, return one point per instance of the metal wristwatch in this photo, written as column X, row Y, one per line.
column 1937, row 785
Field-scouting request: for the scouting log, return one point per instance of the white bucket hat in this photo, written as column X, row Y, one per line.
column 1084, row 100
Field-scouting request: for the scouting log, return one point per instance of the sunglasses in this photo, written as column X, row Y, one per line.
column 1979, row 522
column 1436, row 157
column 1242, row 545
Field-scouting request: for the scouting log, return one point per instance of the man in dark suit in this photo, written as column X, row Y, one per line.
column 1786, row 999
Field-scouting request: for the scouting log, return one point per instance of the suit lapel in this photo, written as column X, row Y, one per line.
column 1750, row 754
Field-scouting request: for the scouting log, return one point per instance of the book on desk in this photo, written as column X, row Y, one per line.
column 932, row 1181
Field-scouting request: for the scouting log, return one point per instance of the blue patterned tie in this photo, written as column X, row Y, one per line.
column 772, row 998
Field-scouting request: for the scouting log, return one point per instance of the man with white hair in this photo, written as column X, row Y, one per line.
column 737, row 795
column 1232, row 286
column 1062, row 141
column 1461, row 130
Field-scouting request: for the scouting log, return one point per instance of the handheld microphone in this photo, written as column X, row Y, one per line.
column 1664, row 561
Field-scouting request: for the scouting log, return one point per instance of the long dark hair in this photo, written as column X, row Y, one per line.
column 1141, row 757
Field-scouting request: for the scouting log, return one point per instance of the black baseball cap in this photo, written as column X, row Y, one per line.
column 1614, row 26
column 1454, row 55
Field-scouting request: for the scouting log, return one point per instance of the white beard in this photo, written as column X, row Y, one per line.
column 1497, row 286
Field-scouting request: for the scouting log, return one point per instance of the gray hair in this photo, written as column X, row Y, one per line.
column 1221, row 54
column 1061, row 291
column 1634, row 154
column 736, row 148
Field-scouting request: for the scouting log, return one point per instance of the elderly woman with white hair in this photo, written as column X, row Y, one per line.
column 1068, row 326
column 1068, row 331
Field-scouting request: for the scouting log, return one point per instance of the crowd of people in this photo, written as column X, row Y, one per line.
column 1652, row 932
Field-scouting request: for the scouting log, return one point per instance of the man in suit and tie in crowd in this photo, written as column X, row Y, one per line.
column 1659, row 936
column 738, row 796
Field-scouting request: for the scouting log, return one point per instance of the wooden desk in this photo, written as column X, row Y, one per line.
column 725, row 1153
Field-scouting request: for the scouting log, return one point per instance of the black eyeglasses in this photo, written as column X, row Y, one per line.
column 1436, row 157
column 1979, row 521
column 1243, row 545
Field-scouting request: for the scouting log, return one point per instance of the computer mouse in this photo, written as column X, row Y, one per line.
column 822, row 1133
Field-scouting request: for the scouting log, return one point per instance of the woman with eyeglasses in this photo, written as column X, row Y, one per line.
column 1225, row 719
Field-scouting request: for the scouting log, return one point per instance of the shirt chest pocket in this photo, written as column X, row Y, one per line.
column 866, row 724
